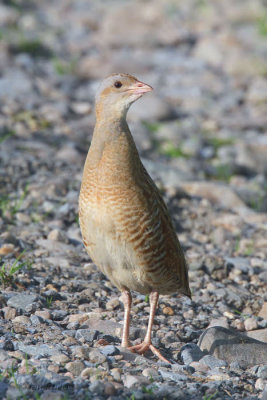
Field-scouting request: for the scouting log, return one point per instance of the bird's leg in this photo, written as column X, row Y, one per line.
column 127, row 301
column 147, row 344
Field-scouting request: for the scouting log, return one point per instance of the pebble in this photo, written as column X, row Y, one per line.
column 191, row 352
column 97, row 357
column 75, row 367
column 212, row 362
column 86, row 335
column 22, row 301
column 60, row 358
column 231, row 346
column 110, row 350
column 112, row 304
column 250, row 324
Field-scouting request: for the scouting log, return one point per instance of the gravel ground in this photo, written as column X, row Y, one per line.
column 202, row 136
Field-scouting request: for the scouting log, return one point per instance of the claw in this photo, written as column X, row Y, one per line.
column 143, row 347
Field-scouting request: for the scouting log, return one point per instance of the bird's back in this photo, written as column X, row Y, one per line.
column 125, row 224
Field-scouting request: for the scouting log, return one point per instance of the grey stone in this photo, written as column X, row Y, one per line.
column 229, row 345
column 52, row 395
column 75, row 367
column 3, row 389
column 42, row 350
column 35, row 320
column 212, row 362
column 131, row 380
column 262, row 372
column 172, row 376
column 191, row 352
column 22, row 301
column 97, row 357
column 110, row 350
column 97, row 387
column 14, row 84
column 170, row 176
column 86, row 335
column 32, row 381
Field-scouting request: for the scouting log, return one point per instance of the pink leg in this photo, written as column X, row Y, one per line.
column 127, row 301
column 147, row 344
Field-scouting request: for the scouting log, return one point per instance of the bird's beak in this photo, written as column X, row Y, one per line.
column 139, row 88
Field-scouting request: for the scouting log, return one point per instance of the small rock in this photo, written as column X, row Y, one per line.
column 86, row 372
column 250, row 324
column 258, row 334
column 86, row 335
column 57, row 235
column 212, row 362
column 81, row 352
column 131, row 380
column 60, row 358
column 42, row 350
column 229, row 345
column 9, row 312
column 199, row 367
column 21, row 319
column 263, row 311
column 116, row 373
column 35, row 320
column 150, row 373
column 262, row 372
column 22, row 301
column 3, row 389
column 78, row 318
column 172, row 376
column 52, row 395
column 109, row 350
column 112, row 304
column 43, row 314
column 6, row 249
column 109, row 389
column 167, row 311
column 97, row 387
column 75, row 367
column 191, row 352
column 97, row 357
column 260, row 384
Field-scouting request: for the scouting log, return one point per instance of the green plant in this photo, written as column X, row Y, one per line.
column 245, row 316
column 172, row 151
column 217, row 142
column 151, row 127
column 6, row 134
column 63, row 67
column 147, row 298
column 249, row 249
column 223, row 172
column 262, row 25
column 209, row 397
column 13, row 207
column 34, row 47
column 10, row 374
column 7, row 274
column 148, row 390
column 132, row 397
column 49, row 301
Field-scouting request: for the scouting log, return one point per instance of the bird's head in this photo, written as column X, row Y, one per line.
column 117, row 92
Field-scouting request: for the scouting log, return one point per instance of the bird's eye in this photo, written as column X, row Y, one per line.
column 118, row 84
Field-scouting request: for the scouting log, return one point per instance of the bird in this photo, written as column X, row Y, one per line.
column 125, row 224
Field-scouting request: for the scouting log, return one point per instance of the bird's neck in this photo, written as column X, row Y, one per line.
column 112, row 141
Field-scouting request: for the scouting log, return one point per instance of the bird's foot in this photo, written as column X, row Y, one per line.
column 143, row 347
